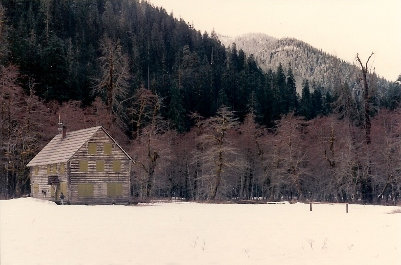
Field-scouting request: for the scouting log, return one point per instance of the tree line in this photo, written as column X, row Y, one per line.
column 220, row 158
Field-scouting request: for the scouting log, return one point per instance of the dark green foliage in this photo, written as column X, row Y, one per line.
column 265, row 101
column 281, row 91
column 176, row 111
column 59, row 44
column 291, row 91
column 317, row 102
column 306, row 107
column 327, row 104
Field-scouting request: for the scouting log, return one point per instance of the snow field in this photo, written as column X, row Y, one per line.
column 39, row 232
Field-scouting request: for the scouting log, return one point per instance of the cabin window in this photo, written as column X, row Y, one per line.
column 36, row 170
column 35, row 189
column 116, row 165
column 54, row 169
column 114, row 189
column 92, row 148
column 83, row 165
column 107, row 147
column 49, row 169
column 100, row 165
column 85, row 190
column 62, row 168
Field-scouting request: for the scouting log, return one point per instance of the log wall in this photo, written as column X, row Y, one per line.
column 94, row 177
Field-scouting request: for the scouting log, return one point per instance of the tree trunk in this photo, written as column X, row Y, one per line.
column 366, row 98
column 218, row 177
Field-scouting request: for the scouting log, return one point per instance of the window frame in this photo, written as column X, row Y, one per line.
column 85, row 190
column 114, row 189
column 92, row 148
column 83, row 165
column 100, row 165
column 61, row 168
column 116, row 166
column 107, row 148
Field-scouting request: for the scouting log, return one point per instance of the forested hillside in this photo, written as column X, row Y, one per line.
column 72, row 48
column 201, row 120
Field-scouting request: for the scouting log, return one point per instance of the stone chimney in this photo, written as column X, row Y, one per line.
column 61, row 128
column 64, row 132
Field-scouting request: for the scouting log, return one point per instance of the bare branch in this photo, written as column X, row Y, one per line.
column 366, row 67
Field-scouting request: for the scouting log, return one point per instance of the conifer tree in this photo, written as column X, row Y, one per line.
column 317, row 102
column 264, row 98
column 281, row 88
column 306, row 101
column 176, row 111
column 327, row 104
column 3, row 36
column 292, row 91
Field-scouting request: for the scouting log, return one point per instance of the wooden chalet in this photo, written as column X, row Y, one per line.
column 86, row 166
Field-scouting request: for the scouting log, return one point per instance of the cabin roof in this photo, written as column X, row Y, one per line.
column 61, row 150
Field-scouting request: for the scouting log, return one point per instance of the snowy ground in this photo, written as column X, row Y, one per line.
column 38, row 232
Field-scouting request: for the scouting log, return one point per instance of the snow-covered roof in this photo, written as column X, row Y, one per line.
column 60, row 150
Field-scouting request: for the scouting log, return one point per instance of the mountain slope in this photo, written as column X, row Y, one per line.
column 306, row 61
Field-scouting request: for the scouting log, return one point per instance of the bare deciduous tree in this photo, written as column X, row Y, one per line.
column 366, row 97
column 216, row 149
column 251, row 147
column 112, row 83
column 292, row 154
column 20, row 119
column 386, row 149
column 150, row 145
column 145, row 105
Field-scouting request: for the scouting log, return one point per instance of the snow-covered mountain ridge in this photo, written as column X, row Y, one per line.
column 306, row 61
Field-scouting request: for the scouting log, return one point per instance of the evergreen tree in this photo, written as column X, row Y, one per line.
column 234, row 62
column 241, row 60
column 306, row 101
column 176, row 111
column 292, row 91
column 53, row 63
column 265, row 101
column 317, row 102
column 344, row 103
column 3, row 36
column 281, row 88
column 327, row 104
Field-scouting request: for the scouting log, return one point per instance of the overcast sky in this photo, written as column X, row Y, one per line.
column 339, row 27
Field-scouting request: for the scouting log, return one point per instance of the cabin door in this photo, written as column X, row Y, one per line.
column 55, row 191
column 54, row 183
